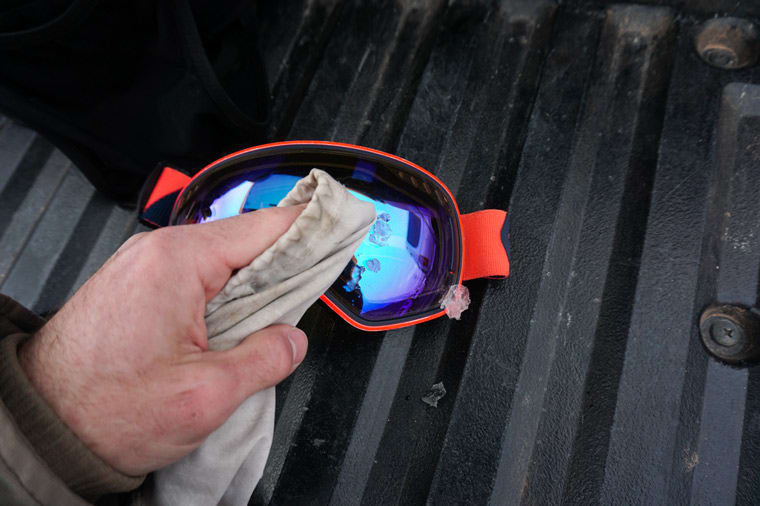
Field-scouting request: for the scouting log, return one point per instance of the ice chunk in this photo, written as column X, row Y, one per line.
column 356, row 276
column 373, row 264
column 381, row 230
column 434, row 395
column 456, row 301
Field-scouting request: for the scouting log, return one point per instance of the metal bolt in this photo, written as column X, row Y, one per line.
column 731, row 333
column 720, row 57
column 728, row 43
column 725, row 331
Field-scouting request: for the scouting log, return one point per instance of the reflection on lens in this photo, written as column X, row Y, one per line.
column 389, row 267
column 229, row 204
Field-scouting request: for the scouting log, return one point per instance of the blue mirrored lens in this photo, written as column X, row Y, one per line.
column 391, row 265
column 411, row 255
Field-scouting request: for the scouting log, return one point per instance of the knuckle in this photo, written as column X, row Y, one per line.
column 156, row 248
column 157, row 240
column 134, row 239
column 197, row 409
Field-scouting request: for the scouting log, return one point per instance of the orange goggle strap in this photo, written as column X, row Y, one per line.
column 486, row 244
column 158, row 195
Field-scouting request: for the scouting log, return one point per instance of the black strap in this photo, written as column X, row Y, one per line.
column 198, row 59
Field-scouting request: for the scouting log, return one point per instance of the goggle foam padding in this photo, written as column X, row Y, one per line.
column 486, row 244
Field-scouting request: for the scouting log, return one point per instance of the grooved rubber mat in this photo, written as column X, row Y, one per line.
column 629, row 167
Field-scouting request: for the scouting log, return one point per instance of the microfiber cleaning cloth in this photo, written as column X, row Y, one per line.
column 276, row 287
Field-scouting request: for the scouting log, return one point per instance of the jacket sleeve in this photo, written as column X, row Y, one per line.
column 42, row 455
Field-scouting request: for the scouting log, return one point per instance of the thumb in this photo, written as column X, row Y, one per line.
column 262, row 359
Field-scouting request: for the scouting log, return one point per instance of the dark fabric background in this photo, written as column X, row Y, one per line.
column 122, row 85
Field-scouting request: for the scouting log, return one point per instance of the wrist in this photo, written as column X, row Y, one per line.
column 46, row 363
column 64, row 453
column 33, row 358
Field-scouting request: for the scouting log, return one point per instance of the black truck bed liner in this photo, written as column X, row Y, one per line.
column 628, row 166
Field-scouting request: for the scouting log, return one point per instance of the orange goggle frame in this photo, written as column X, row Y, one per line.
column 484, row 251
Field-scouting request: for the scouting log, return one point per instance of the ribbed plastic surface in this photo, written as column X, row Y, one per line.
column 630, row 169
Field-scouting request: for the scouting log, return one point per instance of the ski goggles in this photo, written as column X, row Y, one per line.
column 419, row 247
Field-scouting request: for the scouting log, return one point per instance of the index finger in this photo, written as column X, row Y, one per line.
column 232, row 243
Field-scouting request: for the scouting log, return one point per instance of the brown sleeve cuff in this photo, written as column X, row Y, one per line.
column 15, row 318
column 64, row 453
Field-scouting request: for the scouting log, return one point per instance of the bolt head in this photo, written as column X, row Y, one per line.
column 720, row 57
column 730, row 333
column 728, row 43
column 725, row 331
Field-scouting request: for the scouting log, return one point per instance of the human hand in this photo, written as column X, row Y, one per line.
column 125, row 363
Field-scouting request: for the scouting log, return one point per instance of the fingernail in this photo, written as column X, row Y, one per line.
column 298, row 344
